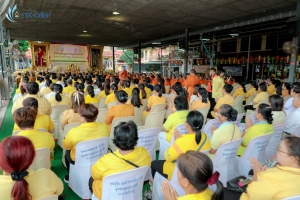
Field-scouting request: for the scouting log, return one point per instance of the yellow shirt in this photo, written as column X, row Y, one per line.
column 271, row 89
column 154, row 100
column 173, row 120
column 54, row 80
column 39, row 139
column 68, row 89
column 44, row 105
column 42, row 183
column 41, row 121
column 258, row 129
column 119, row 110
column 275, row 183
column 239, row 92
column 148, row 92
column 132, row 87
column 110, row 98
column 218, row 84
column 199, row 104
column 111, row 164
column 92, row 100
column 70, row 117
column 64, row 101
column 181, row 145
column 227, row 132
column 102, row 94
column 250, row 92
column 205, row 195
column 260, row 97
column 128, row 91
column 226, row 99
column 18, row 91
column 47, row 90
column 84, row 132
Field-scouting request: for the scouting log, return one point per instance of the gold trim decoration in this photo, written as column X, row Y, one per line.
column 90, row 47
column 47, row 47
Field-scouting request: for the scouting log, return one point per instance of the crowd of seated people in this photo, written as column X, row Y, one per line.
column 192, row 153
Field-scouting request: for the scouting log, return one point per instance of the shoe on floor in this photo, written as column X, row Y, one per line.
column 66, row 179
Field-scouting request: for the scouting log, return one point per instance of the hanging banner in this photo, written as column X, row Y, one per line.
column 62, row 55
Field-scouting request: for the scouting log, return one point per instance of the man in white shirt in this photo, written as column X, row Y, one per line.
column 59, row 78
column 292, row 121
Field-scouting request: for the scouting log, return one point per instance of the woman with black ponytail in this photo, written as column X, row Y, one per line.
column 203, row 100
column 143, row 94
column 195, row 174
column 59, row 99
column 105, row 90
column 156, row 98
column 91, row 97
column 112, row 97
column 263, row 115
column 194, row 140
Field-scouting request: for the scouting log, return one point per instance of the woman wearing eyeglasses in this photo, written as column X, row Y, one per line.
column 281, row 181
column 228, row 131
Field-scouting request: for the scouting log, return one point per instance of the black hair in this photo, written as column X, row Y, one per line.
column 59, row 78
column 69, row 81
column 157, row 88
column 80, row 87
column 126, row 135
column 162, row 84
column 142, row 88
column 114, row 87
column 266, row 111
column 126, row 84
column 276, row 102
column 228, row 88
column 181, row 103
column 48, row 82
column 229, row 112
column 135, row 99
column 183, row 93
column 204, row 94
column 263, row 87
column 57, row 88
column 196, row 88
column 176, row 87
column 293, row 147
column 198, row 168
column 195, row 119
column 122, row 96
column 90, row 90
column 89, row 81
column 106, row 87
column 213, row 69
column 54, row 76
column 288, row 87
column 32, row 87
column 242, row 84
column 220, row 71
column 116, row 80
column 278, row 89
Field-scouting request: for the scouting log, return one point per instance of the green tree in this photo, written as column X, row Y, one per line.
column 23, row 46
column 127, row 56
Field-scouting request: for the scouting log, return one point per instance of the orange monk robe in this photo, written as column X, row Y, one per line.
column 172, row 82
column 190, row 82
column 209, row 83
column 154, row 82
column 182, row 82
column 108, row 76
column 123, row 76
column 141, row 80
column 202, row 81
column 167, row 83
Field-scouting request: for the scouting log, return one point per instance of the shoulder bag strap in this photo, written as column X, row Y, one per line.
column 233, row 131
column 202, row 142
column 131, row 163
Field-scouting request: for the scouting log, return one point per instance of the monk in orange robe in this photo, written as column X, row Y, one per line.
column 190, row 82
column 123, row 75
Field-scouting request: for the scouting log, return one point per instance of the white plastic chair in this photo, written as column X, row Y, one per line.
column 158, row 108
column 115, row 123
column 102, row 103
column 56, row 111
column 224, row 158
column 204, row 112
column 293, row 198
column 110, row 104
column 145, row 103
column 182, row 129
column 207, row 128
column 239, row 118
column 138, row 115
column 238, row 102
column 18, row 131
column 255, row 149
column 87, row 153
column 167, row 89
column 96, row 105
column 41, row 159
column 51, row 197
column 154, row 119
column 274, row 141
column 131, row 190
column 102, row 115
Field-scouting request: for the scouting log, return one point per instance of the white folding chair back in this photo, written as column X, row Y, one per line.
column 167, row 88
column 182, row 129
column 56, row 111
column 87, row 153
column 207, row 128
column 286, row 98
column 102, row 115
column 238, row 102
column 255, row 149
column 110, row 104
column 266, row 101
column 132, row 189
column 156, row 187
column 224, row 160
column 155, row 119
column 204, row 112
column 96, row 105
column 102, row 103
column 174, row 182
column 274, row 141
column 41, row 159
column 42, row 130
column 145, row 103
column 293, row 198
column 115, row 123
column 158, row 107
column 247, row 87
column 66, row 94
column 51, row 197
column 16, row 132
column 138, row 115
column 239, row 118
column 250, row 99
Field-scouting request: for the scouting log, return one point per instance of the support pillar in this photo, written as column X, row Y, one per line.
column 140, row 55
column 186, row 41
column 248, row 59
column 113, row 55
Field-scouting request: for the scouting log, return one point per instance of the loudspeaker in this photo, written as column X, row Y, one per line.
column 135, row 50
column 181, row 44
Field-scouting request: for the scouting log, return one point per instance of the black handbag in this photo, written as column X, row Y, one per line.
column 233, row 185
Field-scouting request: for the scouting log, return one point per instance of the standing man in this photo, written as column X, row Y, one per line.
column 190, row 82
column 218, row 83
column 212, row 74
column 123, row 74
